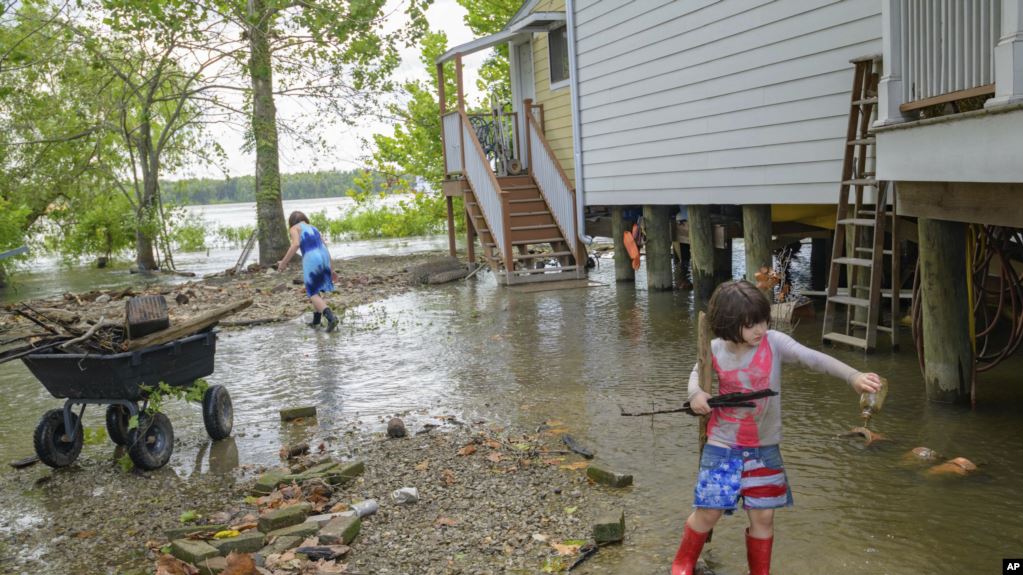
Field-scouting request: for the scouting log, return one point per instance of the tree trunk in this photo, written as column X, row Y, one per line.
column 272, row 230
column 3, row 278
column 145, row 215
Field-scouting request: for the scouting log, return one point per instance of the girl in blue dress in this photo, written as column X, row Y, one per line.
column 316, row 271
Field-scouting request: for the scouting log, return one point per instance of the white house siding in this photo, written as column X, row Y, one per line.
column 717, row 101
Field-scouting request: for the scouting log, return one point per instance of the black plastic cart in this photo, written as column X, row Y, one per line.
column 117, row 380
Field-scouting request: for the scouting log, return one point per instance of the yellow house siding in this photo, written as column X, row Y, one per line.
column 557, row 104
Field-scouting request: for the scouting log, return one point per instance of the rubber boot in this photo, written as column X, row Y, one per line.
column 332, row 320
column 758, row 553
column 688, row 552
column 316, row 319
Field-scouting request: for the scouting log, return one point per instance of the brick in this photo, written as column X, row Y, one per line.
column 301, row 530
column 248, row 542
column 297, row 412
column 340, row 530
column 268, row 482
column 322, row 520
column 182, row 532
column 346, row 473
column 212, row 566
column 610, row 528
column 280, row 545
column 192, row 551
column 607, row 477
column 284, row 517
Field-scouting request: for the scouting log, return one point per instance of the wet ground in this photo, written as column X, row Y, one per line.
column 476, row 350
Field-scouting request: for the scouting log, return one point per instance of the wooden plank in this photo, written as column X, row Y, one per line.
column 996, row 204
column 188, row 327
column 949, row 97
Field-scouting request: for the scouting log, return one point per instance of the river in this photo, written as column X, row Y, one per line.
column 482, row 351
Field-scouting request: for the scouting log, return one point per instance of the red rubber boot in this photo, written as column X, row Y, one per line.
column 758, row 553
column 688, row 552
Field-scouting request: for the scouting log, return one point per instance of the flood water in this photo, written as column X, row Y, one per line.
column 480, row 351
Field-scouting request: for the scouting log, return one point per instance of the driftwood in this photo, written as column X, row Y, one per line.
column 189, row 327
column 92, row 330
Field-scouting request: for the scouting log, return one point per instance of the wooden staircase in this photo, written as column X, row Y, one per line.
column 539, row 250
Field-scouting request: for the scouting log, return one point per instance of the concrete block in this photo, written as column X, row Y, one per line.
column 340, row 531
column 192, row 551
column 346, row 472
column 301, row 530
column 212, row 566
column 247, row 542
column 322, row 520
column 268, row 482
column 280, row 545
column 182, row 532
column 297, row 412
column 610, row 528
column 284, row 517
column 607, row 477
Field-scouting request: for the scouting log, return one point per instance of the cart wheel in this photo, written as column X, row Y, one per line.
column 217, row 412
column 50, row 443
column 117, row 423
column 151, row 444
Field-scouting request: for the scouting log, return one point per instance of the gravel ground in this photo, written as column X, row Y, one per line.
column 492, row 500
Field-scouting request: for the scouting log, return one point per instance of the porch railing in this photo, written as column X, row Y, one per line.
column 553, row 183
column 485, row 187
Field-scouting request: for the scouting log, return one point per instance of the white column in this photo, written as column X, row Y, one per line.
column 1009, row 56
column 889, row 91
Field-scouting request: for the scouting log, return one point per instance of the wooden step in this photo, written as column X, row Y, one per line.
column 846, row 339
column 527, row 205
column 863, row 142
column 535, row 213
column 544, row 270
column 535, row 227
column 864, row 262
column 865, row 101
column 871, row 251
column 541, row 255
column 522, row 193
column 848, row 300
column 860, row 182
column 514, row 180
column 532, row 219
column 872, row 213
column 879, row 327
column 538, row 241
column 520, row 187
column 857, row 222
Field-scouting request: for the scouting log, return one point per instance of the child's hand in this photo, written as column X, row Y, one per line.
column 866, row 383
column 699, row 403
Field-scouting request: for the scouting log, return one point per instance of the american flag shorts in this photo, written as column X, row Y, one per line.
column 756, row 474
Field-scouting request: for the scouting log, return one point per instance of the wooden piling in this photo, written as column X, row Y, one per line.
column 948, row 353
column 701, row 242
column 623, row 264
column 820, row 256
column 657, row 220
column 451, row 226
column 756, row 234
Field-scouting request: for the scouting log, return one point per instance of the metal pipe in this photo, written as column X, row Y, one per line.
column 577, row 151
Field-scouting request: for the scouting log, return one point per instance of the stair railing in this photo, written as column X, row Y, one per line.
column 485, row 187
column 553, row 183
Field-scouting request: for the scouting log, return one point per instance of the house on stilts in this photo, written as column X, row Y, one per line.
column 859, row 123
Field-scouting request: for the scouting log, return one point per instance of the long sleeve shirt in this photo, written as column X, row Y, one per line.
column 753, row 370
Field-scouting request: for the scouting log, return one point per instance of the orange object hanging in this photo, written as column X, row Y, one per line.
column 632, row 248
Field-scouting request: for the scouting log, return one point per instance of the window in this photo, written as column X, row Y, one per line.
column 557, row 42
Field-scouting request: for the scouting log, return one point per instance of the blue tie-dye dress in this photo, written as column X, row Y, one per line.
column 315, row 261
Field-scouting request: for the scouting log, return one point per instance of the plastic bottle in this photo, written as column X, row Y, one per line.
column 365, row 507
column 870, row 403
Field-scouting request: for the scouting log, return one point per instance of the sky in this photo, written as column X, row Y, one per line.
column 346, row 143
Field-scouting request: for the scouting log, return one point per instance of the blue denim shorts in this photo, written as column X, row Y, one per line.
column 756, row 474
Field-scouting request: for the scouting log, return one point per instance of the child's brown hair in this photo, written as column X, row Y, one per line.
column 735, row 305
column 295, row 218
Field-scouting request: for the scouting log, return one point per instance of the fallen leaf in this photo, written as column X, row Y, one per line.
column 576, row 465
column 494, row 456
column 84, row 534
column 244, row 526
column 188, row 516
column 448, row 477
column 170, row 565
column 563, row 549
column 467, row 450
column 492, row 444
column 339, row 507
column 570, row 510
column 445, row 522
column 554, row 460
column 240, row 564
column 423, row 465
column 226, row 534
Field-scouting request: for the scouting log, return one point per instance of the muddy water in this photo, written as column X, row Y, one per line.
column 483, row 352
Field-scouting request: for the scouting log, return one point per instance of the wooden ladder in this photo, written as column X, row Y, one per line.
column 862, row 302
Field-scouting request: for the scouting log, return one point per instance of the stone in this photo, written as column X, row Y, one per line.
column 322, row 552
column 105, row 298
column 301, row 530
column 346, row 473
column 396, row 428
column 247, row 542
column 284, row 517
column 322, row 520
column 297, row 412
column 268, row 482
column 192, row 551
column 340, row 531
column 610, row 528
column 212, row 566
column 280, row 545
column 607, row 477
column 182, row 532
